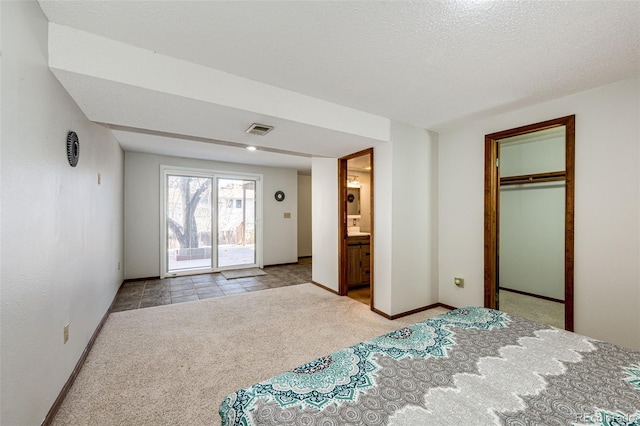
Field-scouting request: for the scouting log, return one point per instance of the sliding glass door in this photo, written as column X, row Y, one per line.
column 236, row 222
column 189, row 219
column 209, row 221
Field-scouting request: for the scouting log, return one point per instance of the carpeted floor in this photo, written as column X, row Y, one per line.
column 174, row 364
column 533, row 308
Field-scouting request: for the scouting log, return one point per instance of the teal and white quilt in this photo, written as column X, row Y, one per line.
column 470, row 366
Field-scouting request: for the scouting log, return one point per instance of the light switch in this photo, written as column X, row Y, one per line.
column 287, row 215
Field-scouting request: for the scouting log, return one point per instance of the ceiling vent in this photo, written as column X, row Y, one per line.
column 259, row 129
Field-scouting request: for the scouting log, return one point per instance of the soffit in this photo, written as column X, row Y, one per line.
column 423, row 63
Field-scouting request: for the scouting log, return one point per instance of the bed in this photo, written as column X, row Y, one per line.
column 470, row 366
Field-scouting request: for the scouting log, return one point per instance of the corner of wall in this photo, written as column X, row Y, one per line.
column 413, row 165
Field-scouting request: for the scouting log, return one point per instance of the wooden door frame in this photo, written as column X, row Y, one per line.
column 343, row 282
column 492, row 203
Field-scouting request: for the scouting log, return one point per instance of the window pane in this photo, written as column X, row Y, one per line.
column 236, row 222
column 188, row 222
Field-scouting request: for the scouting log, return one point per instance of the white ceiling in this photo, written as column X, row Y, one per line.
column 427, row 63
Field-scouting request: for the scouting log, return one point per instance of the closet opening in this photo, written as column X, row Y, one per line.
column 529, row 209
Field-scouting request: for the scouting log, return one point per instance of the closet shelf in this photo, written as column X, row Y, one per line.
column 533, row 178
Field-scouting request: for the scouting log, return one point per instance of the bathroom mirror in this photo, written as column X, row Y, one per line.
column 353, row 201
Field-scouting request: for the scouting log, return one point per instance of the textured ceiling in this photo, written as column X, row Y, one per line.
column 430, row 64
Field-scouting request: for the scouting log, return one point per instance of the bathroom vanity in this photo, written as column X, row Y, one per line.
column 359, row 253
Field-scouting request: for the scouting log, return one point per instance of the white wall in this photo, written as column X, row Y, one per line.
column 324, row 181
column 142, row 210
column 532, row 217
column 405, row 226
column 382, row 226
column 414, row 199
column 405, row 221
column 532, row 238
column 304, row 216
column 61, row 234
column 607, row 214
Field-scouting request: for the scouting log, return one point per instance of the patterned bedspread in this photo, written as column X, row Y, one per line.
column 471, row 366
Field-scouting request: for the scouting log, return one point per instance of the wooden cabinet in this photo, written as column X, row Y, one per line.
column 359, row 264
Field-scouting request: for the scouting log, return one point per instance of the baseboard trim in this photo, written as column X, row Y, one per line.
column 551, row 299
column 325, row 288
column 443, row 305
column 76, row 370
column 413, row 311
column 383, row 314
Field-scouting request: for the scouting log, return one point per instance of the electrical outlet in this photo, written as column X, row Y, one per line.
column 65, row 333
column 459, row 282
column 287, row 215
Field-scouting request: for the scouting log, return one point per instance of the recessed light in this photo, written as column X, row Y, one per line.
column 251, row 148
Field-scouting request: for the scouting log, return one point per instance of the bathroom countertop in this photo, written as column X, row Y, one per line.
column 358, row 234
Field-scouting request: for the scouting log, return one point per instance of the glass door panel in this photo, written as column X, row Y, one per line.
column 189, row 220
column 236, row 222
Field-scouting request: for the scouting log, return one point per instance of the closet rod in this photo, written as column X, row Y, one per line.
column 533, row 178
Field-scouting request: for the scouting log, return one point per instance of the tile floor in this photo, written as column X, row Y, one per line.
column 156, row 292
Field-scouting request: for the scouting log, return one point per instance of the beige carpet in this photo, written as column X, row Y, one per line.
column 532, row 308
column 174, row 364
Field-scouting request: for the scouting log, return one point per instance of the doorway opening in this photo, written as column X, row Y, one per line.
column 529, row 209
column 209, row 221
column 356, row 226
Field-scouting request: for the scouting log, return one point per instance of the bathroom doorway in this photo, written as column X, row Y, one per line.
column 356, row 226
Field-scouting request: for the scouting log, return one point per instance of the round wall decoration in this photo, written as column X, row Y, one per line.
column 279, row 195
column 73, row 148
